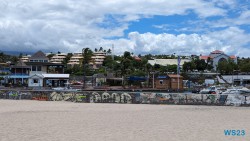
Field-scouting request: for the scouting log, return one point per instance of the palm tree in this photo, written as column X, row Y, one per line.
column 125, row 64
column 87, row 54
column 100, row 49
column 109, row 51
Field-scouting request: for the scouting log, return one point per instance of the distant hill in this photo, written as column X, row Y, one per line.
column 16, row 53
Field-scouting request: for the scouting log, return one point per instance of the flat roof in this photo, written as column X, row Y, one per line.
column 55, row 75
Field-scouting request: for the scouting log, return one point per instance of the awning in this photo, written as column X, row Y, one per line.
column 56, row 76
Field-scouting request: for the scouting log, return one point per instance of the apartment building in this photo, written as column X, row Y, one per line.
column 75, row 59
column 25, row 58
column 58, row 58
column 98, row 59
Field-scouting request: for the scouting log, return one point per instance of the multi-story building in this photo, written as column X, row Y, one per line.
column 75, row 59
column 25, row 58
column 97, row 59
column 43, row 73
column 19, row 73
column 58, row 58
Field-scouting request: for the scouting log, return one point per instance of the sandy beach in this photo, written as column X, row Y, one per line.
column 27, row 120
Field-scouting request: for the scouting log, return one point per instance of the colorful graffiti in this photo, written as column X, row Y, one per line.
column 129, row 97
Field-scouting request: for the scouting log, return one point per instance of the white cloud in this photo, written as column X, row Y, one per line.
column 49, row 22
column 232, row 41
column 70, row 25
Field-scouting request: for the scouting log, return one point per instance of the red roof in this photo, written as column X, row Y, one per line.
column 204, row 57
column 137, row 58
column 232, row 57
column 217, row 52
column 174, row 76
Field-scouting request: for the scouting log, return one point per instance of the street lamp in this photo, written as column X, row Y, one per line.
column 84, row 63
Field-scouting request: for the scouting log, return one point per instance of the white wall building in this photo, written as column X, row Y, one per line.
column 218, row 56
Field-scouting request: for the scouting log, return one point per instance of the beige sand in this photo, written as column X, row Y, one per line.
column 65, row 121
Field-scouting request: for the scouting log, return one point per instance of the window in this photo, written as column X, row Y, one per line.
column 161, row 82
column 35, row 80
column 33, row 68
column 39, row 68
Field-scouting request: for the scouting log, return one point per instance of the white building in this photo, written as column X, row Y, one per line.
column 44, row 73
column 218, row 56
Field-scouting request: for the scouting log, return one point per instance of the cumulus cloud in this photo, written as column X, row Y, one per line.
column 232, row 41
column 70, row 25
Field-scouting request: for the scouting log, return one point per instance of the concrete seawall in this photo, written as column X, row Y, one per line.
column 127, row 97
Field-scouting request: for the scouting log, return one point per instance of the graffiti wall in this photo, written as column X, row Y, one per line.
column 128, row 97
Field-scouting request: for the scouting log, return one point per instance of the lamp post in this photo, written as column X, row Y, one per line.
column 84, row 62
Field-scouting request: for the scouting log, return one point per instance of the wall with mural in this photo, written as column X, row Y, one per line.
column 128, row 97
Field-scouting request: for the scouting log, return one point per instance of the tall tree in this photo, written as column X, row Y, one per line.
column 67, row 58
column 109, row 51
column 227, row 67
column 14, row 59
column 100, row 49
column 126, row 63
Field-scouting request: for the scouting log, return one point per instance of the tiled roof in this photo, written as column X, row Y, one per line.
column 217, row 52
column 137, row 58
column 204, row 57
column 232, row 56
column 21, row 63
column 174, row 76
column 39, row 55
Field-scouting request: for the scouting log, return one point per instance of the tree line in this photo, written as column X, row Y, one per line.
column 126, row 65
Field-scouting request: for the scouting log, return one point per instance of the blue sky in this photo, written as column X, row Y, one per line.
column 142, row 27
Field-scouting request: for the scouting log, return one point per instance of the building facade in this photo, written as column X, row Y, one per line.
column 58, row 58
column 98, row 59
column 217, row 56
column 75, row 59
column 171, row 82
column 39, row 72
